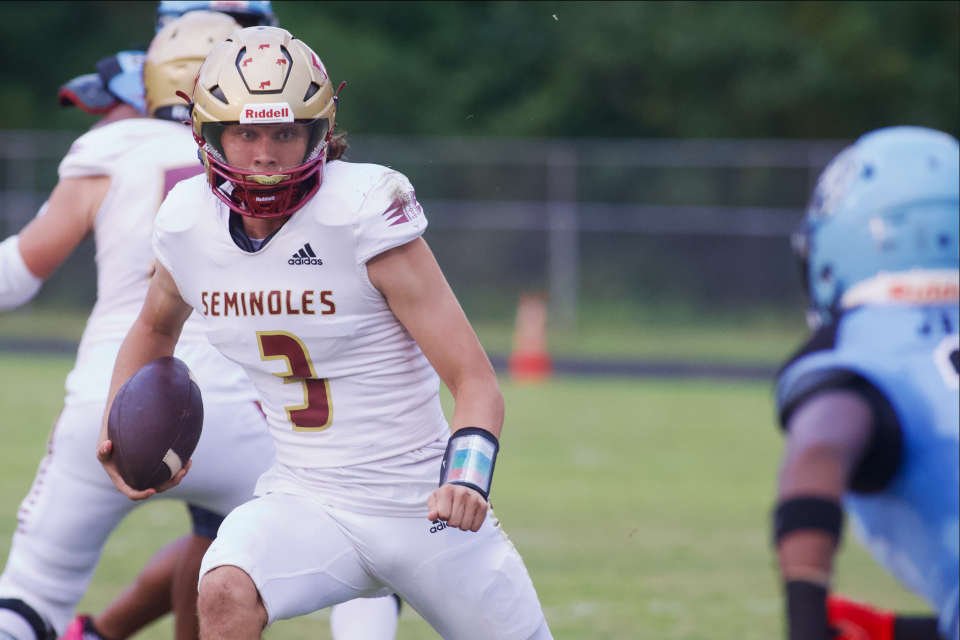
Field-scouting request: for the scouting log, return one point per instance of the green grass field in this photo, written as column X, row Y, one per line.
column 753, row 339
column 640, row 507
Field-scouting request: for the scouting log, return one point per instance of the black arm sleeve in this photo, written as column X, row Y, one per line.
column 807, row 611
column 912, row 628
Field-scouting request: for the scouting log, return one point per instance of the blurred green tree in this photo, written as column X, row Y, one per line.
column 676, row 69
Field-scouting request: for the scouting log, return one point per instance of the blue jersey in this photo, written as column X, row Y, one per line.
column 910, row 519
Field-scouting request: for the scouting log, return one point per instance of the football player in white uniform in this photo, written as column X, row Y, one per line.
column 311, row 274
column 112, row 182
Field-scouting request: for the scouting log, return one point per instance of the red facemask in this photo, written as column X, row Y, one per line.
column 249, row 197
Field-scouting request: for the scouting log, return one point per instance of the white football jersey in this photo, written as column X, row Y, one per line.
column 144, row 159
column 342, row 382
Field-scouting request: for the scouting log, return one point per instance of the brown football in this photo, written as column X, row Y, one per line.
column 155, row 423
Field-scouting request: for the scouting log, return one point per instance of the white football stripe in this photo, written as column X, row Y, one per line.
column 173, row 461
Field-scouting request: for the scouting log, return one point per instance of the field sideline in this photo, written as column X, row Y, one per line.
column 640, row 507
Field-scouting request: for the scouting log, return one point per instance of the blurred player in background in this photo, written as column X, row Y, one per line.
column 870, row 403
column 252, row 13
column 311, row 273
column 111, row 184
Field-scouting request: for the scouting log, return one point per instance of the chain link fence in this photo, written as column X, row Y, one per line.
column 595, row 224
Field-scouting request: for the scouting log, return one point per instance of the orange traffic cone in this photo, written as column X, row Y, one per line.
column 530, row 361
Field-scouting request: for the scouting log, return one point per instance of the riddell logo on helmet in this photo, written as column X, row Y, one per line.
column 266, row 113
column 924, row 292
column 921, row 286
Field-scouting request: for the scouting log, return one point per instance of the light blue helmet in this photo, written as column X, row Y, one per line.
column 247, row 14
column 888, row 203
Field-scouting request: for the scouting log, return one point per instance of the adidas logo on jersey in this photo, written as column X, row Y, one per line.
column 439, row 525
column 305, row 256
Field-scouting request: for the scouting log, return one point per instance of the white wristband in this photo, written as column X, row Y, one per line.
column 17, row 284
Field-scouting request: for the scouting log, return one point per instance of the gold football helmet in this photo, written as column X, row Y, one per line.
column 175, row 56
column 263, row 113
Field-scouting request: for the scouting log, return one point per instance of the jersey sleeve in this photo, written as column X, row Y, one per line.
column 798, row 380
column 174, row 219
column 390, row 216
column 818, row 367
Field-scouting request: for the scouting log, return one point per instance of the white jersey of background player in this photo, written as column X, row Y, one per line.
column 316, row 281
column 111, row 183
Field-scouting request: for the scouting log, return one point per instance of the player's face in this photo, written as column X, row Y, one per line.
column 265, row 147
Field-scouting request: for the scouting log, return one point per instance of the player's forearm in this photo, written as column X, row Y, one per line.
column 827, row 436
column 153, row 335
column 143, row 344
column 478, row 403
column 807, row 554
column 811, row 483
column 806, row 564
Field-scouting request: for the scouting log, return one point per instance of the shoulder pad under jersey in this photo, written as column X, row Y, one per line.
column 847, row 355
column 385, row 206
column 101, row 151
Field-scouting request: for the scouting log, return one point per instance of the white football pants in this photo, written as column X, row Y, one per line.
column 365, row 619
column 304, row 556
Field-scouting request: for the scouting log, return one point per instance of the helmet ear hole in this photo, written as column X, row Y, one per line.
column 826, row 273
column 311, row 91
column 217, row 93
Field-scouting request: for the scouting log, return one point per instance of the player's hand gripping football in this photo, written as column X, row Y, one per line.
column 458, row 506
column 105, row 455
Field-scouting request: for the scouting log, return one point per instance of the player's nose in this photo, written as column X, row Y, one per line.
column 264, row 157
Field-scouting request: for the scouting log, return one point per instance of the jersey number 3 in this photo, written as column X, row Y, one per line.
column 316, row 412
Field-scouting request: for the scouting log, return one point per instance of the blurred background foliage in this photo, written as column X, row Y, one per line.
column 591, row 69
column 470, row 71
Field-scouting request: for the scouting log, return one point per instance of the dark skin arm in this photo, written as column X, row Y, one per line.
column 146, row 599
column 168, row 582
column 828, row 435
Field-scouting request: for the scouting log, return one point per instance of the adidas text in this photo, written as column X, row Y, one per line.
column 438, row 526
column 305, row 256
